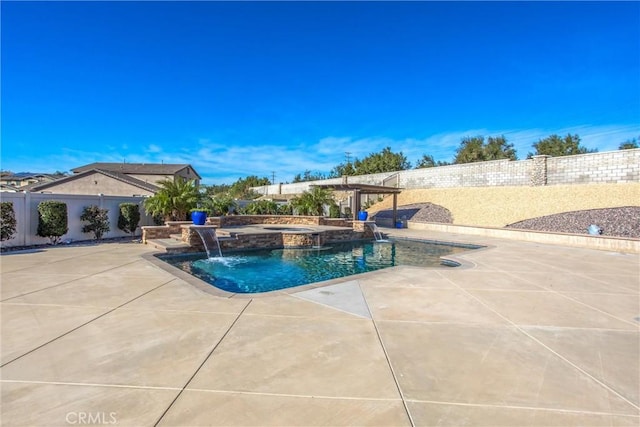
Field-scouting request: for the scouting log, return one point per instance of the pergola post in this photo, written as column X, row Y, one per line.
column 395, row 209
column 356, row 204
column 357, row 190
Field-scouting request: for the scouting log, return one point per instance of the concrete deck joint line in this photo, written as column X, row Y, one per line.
column 65, row 283
column 393, row 372
column 202, row 364
column 521, row 334
column 313, row 396
column 139, row 387
column 536, row 340
column 84, row 324
column 564, row 295
column 530, row 408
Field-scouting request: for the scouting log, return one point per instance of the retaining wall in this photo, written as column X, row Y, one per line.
column 622, row 166
column 614, row 244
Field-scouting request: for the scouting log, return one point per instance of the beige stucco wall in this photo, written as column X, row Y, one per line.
column 499, row 206
column 97, row 184
column 153, row 179
column 186, row 173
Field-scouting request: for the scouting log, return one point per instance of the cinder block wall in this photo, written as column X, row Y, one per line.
column 622, row 166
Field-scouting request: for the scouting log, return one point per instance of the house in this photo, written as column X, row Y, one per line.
column 119, row 179
column 24, row 180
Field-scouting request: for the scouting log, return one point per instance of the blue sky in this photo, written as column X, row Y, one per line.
column 255, row 88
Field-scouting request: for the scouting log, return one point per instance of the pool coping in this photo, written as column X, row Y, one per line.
column 200, row 284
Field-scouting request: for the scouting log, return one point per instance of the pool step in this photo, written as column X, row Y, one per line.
column 174, row 243
column 169, row 245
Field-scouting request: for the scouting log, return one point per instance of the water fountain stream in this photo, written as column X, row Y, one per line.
column 209, row 238
column 377, row 234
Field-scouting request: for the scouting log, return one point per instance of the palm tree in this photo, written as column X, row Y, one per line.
column 312, row 202
column 174, row 200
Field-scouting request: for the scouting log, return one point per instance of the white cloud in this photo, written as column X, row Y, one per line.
column 153, row 148
column 218, row 162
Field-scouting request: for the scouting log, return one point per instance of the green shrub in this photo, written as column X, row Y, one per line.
column 261, row 207
column 220, row 204
column 8, row 218
column 285, row 209
column 98, row 221
column 52, row 220
column 334, row 211
column 129, row 217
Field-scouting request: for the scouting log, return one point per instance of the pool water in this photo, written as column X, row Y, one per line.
column 269, row 270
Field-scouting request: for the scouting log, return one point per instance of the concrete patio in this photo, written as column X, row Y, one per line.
column 523, row 334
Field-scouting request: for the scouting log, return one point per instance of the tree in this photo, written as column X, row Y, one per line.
column 497, row 148
column 557, row 146
column 470, row 150
column 629, row 144
column 174, row 200
column 52, row 220
column 241, row 189
column 98, row 221
column 312, row 202
column 308, row 176
column 429, row 162
column 384, row 161
column 129, row 217
column 8, row 218
column 212, row 190
column 343, row 169
column 474, row 149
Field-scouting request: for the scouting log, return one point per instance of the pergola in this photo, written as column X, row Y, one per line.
column 359, row 189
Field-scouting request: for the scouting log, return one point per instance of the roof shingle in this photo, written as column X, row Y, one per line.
column 136, row 168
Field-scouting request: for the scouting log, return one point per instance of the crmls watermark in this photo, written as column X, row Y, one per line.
column 84, row 418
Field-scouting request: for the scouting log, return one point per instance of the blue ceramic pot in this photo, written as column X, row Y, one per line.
column 362, row 215
column 199, row 218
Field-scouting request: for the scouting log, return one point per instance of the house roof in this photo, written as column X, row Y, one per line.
column 26, row 175
column 7, row 187
column 115, row 175
column 137, row 168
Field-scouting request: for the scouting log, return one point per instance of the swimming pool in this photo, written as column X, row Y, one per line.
column 255, row 271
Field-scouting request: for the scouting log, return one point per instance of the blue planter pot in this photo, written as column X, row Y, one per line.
column 362, row 215
column 199, row 218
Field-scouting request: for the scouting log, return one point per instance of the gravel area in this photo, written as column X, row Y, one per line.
column 419, row 212
column 620, row 222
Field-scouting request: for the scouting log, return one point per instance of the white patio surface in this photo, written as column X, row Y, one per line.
column 521, row 335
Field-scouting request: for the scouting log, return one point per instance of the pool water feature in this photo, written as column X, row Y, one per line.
column 264, row 270
column 209, row 239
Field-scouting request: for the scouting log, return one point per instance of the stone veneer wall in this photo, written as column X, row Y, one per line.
column 356, row 230
column 244, row 241
column 150, row 232
column 236, row 220
column 287, row 239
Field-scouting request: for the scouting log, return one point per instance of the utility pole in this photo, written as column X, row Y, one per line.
column 348, row 156
column 273, row 177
